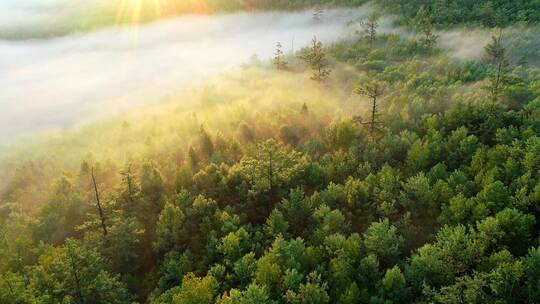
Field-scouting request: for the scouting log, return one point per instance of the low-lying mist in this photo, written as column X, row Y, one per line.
column 55, row 83
column 521, row 42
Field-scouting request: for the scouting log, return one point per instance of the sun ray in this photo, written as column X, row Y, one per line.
column 135, row 12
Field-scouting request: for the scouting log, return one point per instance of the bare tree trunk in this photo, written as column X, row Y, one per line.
column 98, row 202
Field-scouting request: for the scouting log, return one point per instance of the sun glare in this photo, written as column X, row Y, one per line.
column 136, row 12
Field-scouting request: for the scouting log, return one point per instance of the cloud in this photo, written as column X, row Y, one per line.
column 55, row 83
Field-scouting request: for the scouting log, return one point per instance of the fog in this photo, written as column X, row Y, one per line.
column 55, row 83
column 521, row 42
column 20, row 19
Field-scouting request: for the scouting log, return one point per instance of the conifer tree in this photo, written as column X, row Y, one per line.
column 370, row 26
column 498, row 77
column 315, row 57
column 423, row 24
column 372, row 90
column 279, row 62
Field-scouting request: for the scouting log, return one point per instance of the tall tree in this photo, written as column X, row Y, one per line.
column 75, row 271
column 130, row 191
column 423, row 24
column 370, row 26
column 98, row 203
column 373, row 90
column 315, row 57
column 498, row 76
column 279, row 62
column 72, row 274
column 206, row 146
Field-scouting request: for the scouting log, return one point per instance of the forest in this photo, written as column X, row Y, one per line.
column 378, row 169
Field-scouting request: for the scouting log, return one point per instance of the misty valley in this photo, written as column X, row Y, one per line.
column 269, row 151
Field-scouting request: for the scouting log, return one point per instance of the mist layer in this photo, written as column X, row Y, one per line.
column 55, row 83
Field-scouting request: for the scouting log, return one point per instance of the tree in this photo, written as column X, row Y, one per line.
column 497, row 77
column 279, row 62
column 532, row 273
column 393, row 286
column 315, row 57
column 372, row 90
column 129, row 192
column 62, row 214
column 254, row 294
column 206, row 146
column 152, row 191
column 14, row 290
column 370, row 26
column 71, row 274
column 270, row 169
column 196, row 290
column 169, row 228
column 298, row 213
column 383, row 240
column 422, row 24
column 98, row 204
column 123, row 239
column 314, row 291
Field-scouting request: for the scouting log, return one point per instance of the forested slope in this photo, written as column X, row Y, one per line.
column 457, row 12
column 377, row 170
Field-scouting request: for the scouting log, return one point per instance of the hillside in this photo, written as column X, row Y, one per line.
column 378, row 169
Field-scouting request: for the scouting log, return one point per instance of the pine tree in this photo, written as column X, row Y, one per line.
column 279, row 62
column 372, row 90
column 423, row 24
column 498, row 77
column 129, row 192
column 370, row 26
column 206, row 146
column 315, row 57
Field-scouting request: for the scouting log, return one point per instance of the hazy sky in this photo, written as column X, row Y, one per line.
column 54, row 83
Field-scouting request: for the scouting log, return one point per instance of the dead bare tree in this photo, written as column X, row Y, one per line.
column 98, row 203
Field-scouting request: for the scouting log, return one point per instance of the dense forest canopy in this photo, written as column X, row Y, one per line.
column 487, row 13
column 378, row 169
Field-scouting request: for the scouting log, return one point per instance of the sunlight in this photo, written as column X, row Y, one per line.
column 136, row 12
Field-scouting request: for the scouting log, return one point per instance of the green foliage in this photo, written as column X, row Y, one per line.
column 382, row 240
column 483, row 12
column 196, row 290
column 74, row 274
column 274, row 202
column 315, row 58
